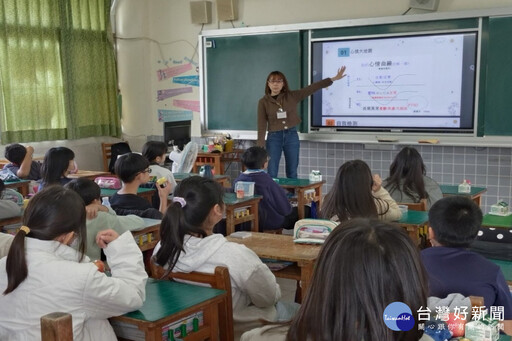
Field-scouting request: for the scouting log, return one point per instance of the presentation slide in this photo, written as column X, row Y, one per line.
column 394, row 82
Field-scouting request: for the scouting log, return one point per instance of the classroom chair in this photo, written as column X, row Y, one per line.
column 219, row 280
column 415, row 206
column 56, row 327
column 108, row 153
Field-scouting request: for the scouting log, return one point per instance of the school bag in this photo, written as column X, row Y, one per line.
column 312, row 231
column 117, row 149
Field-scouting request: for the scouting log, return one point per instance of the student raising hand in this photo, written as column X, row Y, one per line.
column 103, row 238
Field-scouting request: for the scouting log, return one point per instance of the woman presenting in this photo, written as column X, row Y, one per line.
column 277, row 113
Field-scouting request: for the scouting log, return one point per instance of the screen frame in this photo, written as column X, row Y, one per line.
column 474, row 87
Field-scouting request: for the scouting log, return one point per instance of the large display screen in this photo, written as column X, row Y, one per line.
column 411, row 83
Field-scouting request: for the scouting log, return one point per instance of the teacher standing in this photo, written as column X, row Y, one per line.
column 277, row 113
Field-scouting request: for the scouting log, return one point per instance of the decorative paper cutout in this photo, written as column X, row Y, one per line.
column 189, row 80
column 169, row 72
column 174, row 115
column 166, row 93
column 186, row 104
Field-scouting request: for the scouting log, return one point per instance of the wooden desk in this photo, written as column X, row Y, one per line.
column 149, row 235
column 416, row 225
column 300, row 186
column 281, row 247
column 20, row 186
column 212, row 159
column 222, row 179
column 233, row 203
column 146, row 193
column 167, row 302
column 475, row 194
column 88, row 174
column 217, row 160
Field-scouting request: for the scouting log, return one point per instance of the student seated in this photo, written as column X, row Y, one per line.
column 21, row 163
column 155, row 152
column 189, row 244
column 358, row 193
column 454, row 223
column 133, row 170
column 42, row 274
column 58, row 163
column 8, row 208
column 363, row 266
column 407, row 181
column 100, row 217
column 274, row 210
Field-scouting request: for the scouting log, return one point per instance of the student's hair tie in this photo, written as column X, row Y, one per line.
column 180, row 200
column 25, row 229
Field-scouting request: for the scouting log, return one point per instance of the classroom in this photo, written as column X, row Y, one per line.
column 156, row 39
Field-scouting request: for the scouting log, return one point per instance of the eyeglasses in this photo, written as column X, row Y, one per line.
column 275, row 81
column 147, row 170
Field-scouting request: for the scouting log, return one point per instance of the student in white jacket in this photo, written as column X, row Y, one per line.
column 100, row 217
column 188, row 244
column 43, row 274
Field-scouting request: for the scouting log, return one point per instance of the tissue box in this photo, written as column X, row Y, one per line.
column 247, row 186
column 500, row 208
column 315, row 175
column 482, row 330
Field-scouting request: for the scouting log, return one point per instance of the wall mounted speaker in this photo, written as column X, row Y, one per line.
column 201, row 12
column 430, row 5
column 227, row 10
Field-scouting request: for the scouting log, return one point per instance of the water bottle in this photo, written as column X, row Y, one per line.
column 105, row 201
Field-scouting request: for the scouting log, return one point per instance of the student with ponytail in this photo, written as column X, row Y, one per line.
column 189, row 244
column 45, row 272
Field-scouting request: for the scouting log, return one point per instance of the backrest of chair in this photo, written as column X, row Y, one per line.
column 416, row 206
column 219, row 280
column 57, row 327
column 106, row 151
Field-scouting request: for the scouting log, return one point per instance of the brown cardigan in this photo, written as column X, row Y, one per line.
column 268, row 107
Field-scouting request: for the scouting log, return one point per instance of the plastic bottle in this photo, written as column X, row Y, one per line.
column 105, row 201
column 465, row 187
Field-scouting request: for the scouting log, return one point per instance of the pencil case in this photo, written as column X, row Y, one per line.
column 109, row 182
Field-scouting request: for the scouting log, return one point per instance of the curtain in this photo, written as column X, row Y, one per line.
column 57, row 71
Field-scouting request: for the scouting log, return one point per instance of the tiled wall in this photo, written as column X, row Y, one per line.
column 484, row 166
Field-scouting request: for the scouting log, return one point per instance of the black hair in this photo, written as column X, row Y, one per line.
column 351, row 195
column 455, row 221
column 56, row 162
column 52, row 212
column 87, row 189
column 279, row 75
column 200, row 195
column 153, row 149
column 15, row 153
column 406, row 174
column 363, row 266
column 254, row 158
column 128, row 165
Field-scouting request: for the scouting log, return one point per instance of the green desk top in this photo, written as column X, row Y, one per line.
column 231, row 199
column 181, row 176
column 15, row 181
column 505, row 266
column 294, row 182
column 164, row 298
column 414, row 217
column 454, row 190
column 107, row 192
column 497, row 221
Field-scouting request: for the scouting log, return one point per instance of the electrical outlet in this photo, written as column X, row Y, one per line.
column 430, row 5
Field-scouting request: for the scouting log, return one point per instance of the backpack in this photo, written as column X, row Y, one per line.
column 117, row 149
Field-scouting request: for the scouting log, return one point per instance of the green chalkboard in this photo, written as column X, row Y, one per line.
column 236, row 70
column 497, row 82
